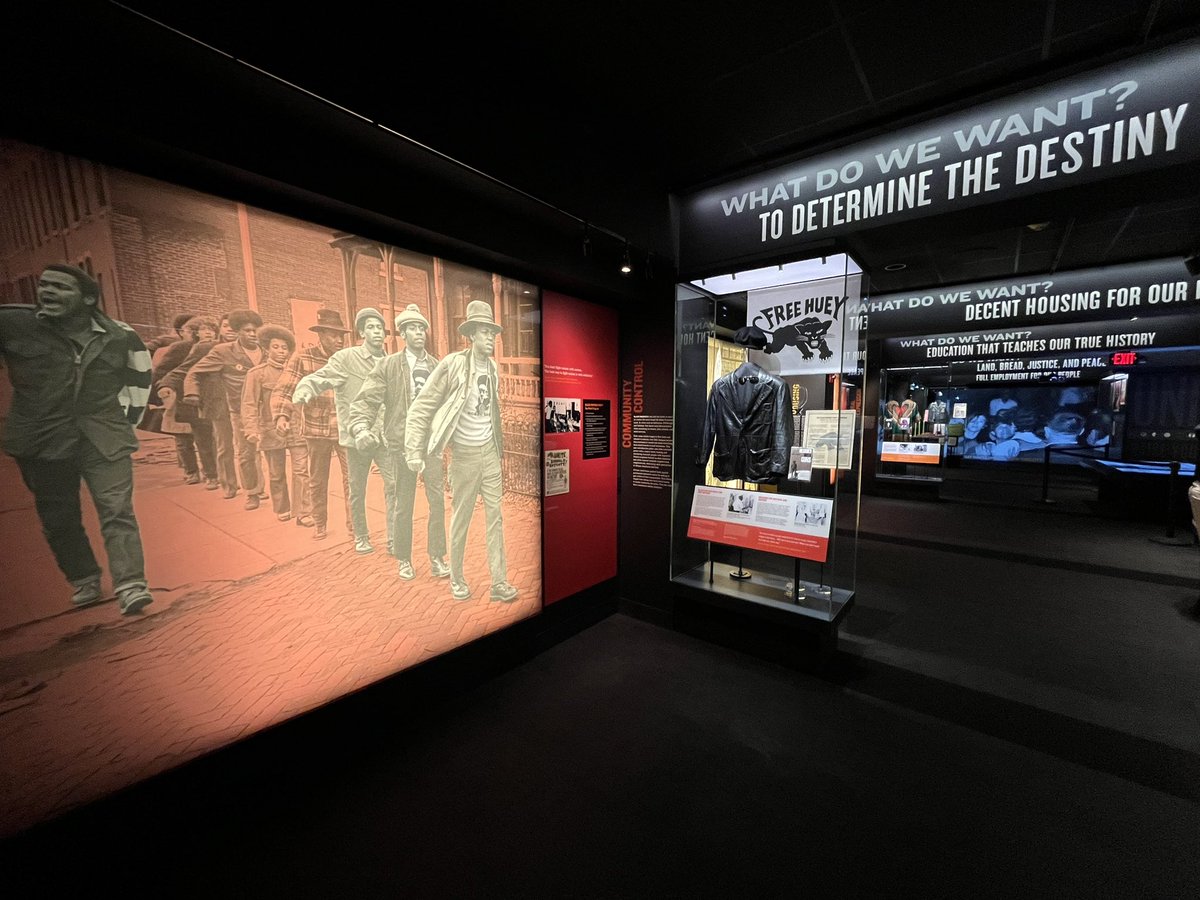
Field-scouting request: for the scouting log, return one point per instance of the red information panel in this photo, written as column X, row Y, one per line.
column 579, row 455
column 790, row 526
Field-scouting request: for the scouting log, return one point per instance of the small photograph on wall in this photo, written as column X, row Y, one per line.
column 251, row 464
column 558, row 472
column 563, row 415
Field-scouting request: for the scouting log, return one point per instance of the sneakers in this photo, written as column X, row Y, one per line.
column 130, row 600
column 211, row 484
column 304, row 522
column 405, row 570
column 438, row 569
column 86, row 594
column 363, row 545
column 459, row 590
column 192, row 478
column 504, row 592
column 252, row 501
column 284, row 517
column 230, row 493
column 320, row 534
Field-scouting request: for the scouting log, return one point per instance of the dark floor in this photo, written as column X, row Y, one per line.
column 994, row 725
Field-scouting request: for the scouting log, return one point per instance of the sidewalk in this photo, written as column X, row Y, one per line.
column 253, row 622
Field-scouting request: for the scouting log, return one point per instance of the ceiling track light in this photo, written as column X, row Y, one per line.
column 587, row 240
column 626, row 264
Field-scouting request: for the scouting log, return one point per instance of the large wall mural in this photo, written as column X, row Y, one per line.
column 251, row 464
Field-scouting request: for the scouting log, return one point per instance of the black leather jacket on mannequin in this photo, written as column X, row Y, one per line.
column 747, row 426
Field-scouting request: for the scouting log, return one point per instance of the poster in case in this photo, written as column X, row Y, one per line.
column 830, row 433
column 800, row 464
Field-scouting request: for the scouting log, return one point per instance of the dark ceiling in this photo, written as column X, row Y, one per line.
column 596, row 108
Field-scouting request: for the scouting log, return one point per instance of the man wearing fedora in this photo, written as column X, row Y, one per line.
column 391, row 386
column 460, row 406
column 315, row 421
column 344, row 374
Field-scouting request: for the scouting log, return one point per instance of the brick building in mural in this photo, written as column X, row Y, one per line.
column 159, row 250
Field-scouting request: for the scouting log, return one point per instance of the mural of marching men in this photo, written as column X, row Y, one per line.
column 279, row 344
column 316, row 421
column 393, row 384
column 344, row 374
column 81, row 382
column 459, row 406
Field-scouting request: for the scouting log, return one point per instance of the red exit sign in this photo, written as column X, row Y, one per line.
column 1124, row 358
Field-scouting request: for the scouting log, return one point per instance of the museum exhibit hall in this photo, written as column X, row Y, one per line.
column 658, row 450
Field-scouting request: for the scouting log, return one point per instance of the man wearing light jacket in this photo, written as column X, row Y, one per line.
column 344, row 374
column 393, row 384
column 459, row 406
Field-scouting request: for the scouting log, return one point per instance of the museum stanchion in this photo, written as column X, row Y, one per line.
column 1194, row 502
column 1170, row 538
column 1045, row 498
column 741, row 574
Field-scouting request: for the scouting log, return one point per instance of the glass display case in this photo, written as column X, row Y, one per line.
column 919, row 426
column 769, row 370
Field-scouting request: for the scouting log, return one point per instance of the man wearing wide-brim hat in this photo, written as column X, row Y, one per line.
column 392, row 386
column 316, row 421
column 344, row 374
column 459, row 406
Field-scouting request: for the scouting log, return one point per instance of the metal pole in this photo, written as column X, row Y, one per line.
column 1172, row 480
column 1045, row 498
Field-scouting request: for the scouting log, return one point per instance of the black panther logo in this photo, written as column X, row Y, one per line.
column 806, row 335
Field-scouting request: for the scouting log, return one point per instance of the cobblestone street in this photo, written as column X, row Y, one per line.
column 253, row 622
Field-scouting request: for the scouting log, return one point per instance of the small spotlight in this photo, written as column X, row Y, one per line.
column 626, row 265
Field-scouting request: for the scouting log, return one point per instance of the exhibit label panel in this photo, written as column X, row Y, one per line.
column 919, row 452
column 776, row 523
